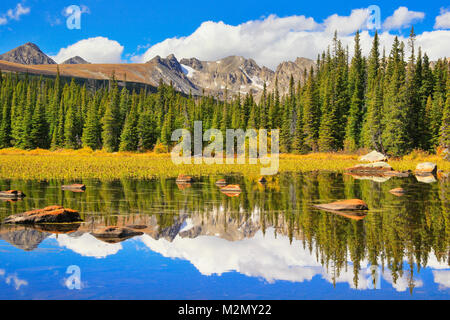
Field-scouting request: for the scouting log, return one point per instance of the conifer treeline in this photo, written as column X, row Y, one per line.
column 393, row 104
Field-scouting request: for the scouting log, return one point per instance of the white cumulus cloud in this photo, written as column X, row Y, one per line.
column 14, row 14
column 272, row 40
column 94, row 50
column 402, row 18
column 443, row 20
column 347, row 25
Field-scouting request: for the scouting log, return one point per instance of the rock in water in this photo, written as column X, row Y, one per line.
column 221, row 182
column 231, row 188
column 115, row 234
column 184, row 179
column 398, row 191
column 373, row 156
column 53, row 214
column 375, row 167
column 75, row 186
column 344, row 205
column 426, row 168
column 12, row 194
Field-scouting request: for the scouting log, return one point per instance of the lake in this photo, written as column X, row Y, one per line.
column 266, row 242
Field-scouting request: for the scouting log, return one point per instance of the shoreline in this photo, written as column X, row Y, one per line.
column 88, row 164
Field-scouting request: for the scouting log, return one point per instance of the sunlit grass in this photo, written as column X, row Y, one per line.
column 85, row 163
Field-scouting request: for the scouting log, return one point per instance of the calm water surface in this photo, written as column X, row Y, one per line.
column 265, row 243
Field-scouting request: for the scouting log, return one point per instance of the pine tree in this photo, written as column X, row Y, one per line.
column 92, row 127
column 445, row 127
column 111, row 119
column 311, row 114
column 356, row 91
column 129, row 139
column 395, row 109
column 39, row 134
column 372, row 124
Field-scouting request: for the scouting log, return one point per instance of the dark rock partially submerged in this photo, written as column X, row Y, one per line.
column 115, row 234
column 12, row 194
column 53, row 214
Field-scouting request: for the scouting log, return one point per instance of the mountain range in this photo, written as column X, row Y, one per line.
column 225, row 77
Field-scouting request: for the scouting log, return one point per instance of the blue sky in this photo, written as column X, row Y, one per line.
column 269, row 31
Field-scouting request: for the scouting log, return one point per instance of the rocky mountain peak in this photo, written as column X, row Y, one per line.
column 28, row 54
column 76, row 60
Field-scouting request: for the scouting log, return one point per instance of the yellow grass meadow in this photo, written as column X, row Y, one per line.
column 85, row 163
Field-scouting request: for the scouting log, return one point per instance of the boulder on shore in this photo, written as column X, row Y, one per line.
column 426, row 168
column 373, row 156
column 113, row 234
column 344, row 205
column 12, row 194
column 52, row 214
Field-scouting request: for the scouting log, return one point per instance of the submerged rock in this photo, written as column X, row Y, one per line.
column 12, row 194
column 74, row 187
column 344, row 205
column 52, row 214
column 426, row 168
column 398, row 191
column 115, row 234
column 373, row 156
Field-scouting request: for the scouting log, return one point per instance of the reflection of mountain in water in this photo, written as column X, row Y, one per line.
column 23, row 238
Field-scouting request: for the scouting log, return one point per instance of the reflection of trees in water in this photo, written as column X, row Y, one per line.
column 397, row 229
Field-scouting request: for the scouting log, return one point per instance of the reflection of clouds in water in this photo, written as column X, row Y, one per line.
column 88, row 246
column 442, row 277
column 13, row 279
column 265, row 256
